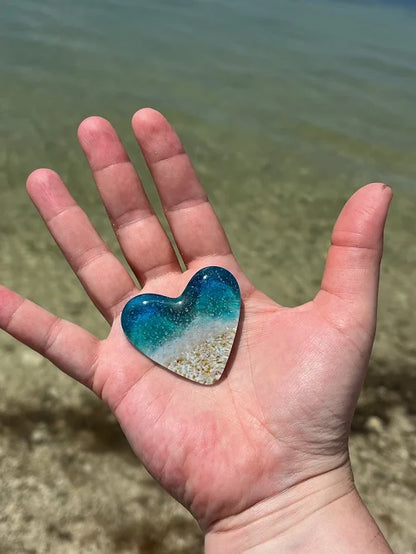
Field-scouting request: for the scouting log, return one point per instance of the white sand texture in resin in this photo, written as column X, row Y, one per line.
column 201, row 353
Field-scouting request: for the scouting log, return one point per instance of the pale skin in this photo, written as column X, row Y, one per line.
column 261, row 458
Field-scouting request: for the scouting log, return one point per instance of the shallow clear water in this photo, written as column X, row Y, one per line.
column 285, row 106
column 326, row 77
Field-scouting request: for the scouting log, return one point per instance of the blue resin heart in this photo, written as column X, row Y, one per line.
column 191, row 335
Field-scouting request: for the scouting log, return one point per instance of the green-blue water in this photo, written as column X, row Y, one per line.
column 285, row 106
column 330, row 79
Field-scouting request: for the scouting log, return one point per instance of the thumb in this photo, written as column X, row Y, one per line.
column 349, row 286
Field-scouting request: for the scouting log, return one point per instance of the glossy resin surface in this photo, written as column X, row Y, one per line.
column 191, row 335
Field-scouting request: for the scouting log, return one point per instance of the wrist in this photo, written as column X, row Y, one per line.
column 321, row 514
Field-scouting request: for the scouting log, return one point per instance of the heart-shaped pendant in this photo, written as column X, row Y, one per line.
column 191, row 335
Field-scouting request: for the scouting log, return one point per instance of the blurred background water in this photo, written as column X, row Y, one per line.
column 332, row 80
column 268, row 96
column 286, row 107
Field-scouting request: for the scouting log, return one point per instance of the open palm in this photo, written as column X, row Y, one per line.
column 282, row 410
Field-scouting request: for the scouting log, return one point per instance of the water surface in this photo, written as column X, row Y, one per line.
column 286, row 107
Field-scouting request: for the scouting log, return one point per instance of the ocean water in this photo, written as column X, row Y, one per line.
column 329, row 78
column 285, row 106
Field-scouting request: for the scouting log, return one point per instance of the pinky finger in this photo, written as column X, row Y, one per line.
column 65, row 344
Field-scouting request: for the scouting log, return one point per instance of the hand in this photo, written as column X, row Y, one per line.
column 276, row 426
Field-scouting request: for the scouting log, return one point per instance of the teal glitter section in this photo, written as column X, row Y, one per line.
column 151, row 320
